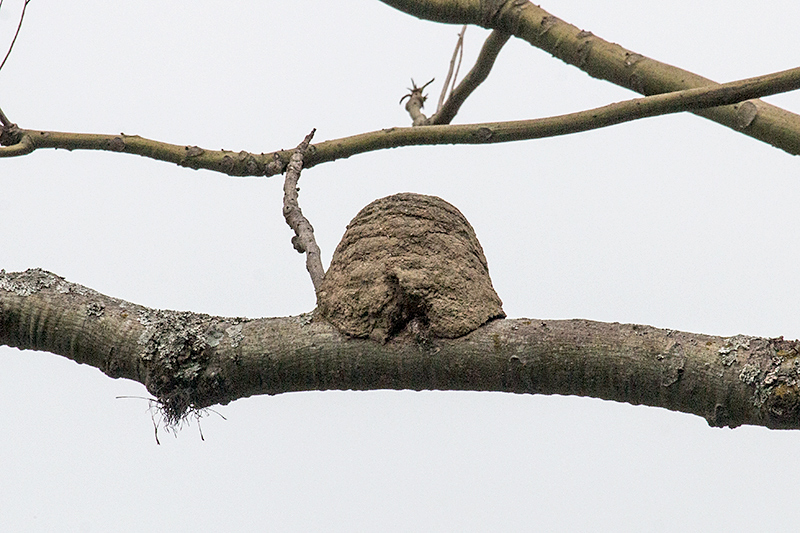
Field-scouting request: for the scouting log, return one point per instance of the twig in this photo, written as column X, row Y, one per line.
column 491, row 48
column 3, row 118
column 457, row 53
column 14, row 40
column 303, row 240
column 416, row 101
column 787, row 133
column 458, row 65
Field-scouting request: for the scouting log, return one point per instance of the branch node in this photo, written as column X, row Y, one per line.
column 4, row 120
column 10, row 133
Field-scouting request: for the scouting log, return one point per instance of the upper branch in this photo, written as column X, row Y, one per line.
column 190, row 360
column 608, row 61
column 246, row 164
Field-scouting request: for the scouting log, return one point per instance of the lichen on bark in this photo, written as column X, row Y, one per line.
column 408, row 258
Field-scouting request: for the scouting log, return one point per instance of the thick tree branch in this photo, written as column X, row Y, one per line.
column 247, row 164
column 191, row 361
column 608, row 61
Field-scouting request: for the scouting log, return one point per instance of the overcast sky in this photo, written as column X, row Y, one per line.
column 675, row 222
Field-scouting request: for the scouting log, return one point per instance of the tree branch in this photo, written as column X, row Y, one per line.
column 190, row 361
column 224, row 161
column 247, row 164
column 303, row 240
column 16, row 34
column 452, row 72
column 608, row 61
column 483, row 66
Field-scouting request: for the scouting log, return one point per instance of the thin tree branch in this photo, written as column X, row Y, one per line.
column 458, row 53
column 190, row 361
column 608, row 61
column 483, row 66
column 14, row 40
column 3, row 118
column 460, row 58
column 303, row 240
column 224, row 161
column 246, row 164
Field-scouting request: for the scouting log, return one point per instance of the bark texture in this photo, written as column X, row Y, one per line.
column 408, row 258
column 191, row 360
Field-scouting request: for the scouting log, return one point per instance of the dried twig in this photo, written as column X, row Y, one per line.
column 303, row 240
column 457, row 53
column 19, row 26
column 476, row 76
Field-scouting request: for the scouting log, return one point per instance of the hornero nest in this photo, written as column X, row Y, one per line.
column 408, row 258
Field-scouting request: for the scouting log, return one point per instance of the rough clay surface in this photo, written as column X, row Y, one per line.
column 408, row 257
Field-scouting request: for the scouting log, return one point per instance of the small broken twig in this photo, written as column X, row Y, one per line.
column 416, row 101
column 303, row 240
column 458, row 52
column 483, row 65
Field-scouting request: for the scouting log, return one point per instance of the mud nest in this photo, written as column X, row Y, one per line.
column 408, row 258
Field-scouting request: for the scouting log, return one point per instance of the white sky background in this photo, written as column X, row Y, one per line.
column 674, row 221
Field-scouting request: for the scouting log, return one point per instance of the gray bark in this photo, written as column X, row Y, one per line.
column 190, row 361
